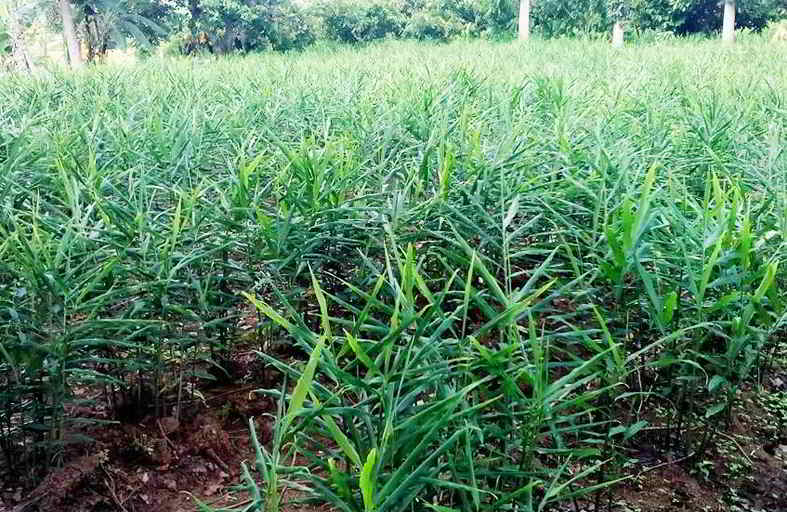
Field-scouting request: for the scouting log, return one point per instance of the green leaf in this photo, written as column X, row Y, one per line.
column 617, row 430
column 513, row 209
column 617, row 355
column 632, row 430
column 341, row 439
column 440, row 508
column 367, row 481
column 361, row 354
column 715, row 409
column 324, row 318
column 708, row 266
column 466, row 296
column 303, row 385
column 767, row 281
column 668, row 309
column 715, row 382
column 269, row 312
column 617, row 251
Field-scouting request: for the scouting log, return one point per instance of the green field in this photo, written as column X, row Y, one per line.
column 507, row 261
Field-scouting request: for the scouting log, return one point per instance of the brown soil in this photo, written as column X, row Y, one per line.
column 163, row 465
column 156, row 465
column 744, row 470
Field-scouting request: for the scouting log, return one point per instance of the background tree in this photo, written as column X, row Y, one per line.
column 5, row 40
column 242, row 25
column 681, row 17
column 575, row 18
column 108, row 24
column 29, row 29
column 702, row 16
column 353, row 21
column 12, row 12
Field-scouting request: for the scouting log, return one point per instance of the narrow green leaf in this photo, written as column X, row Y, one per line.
column 303, row 385
column 367, row 481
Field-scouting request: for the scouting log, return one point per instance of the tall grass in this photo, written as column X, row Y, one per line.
column 500, row 257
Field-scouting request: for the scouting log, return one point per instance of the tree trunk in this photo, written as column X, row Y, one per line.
column 618, row 32
column 728, row 29
column 70, row 34
column 227, row 42
column 524, row 20
column 94, row 39
column 194, row 13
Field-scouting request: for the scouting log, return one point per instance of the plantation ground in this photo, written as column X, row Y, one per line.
column 501, row 275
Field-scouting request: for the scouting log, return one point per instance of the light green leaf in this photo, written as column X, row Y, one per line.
column 367, row 481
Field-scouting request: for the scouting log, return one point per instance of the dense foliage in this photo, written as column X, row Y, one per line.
column 225, row 26
column 587, row 17
column 499, row 263
column 245, row 26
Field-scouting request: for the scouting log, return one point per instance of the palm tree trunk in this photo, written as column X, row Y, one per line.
column 93, row 39
column 618, row 32
column 70, row 34
column 524, row 20
column 728, row 28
